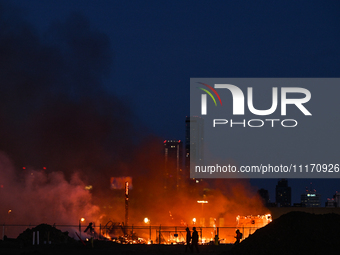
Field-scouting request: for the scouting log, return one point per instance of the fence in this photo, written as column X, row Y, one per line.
column 140, row 234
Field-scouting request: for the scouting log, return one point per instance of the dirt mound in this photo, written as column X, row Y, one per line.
column 294, row 233
column 46, row 233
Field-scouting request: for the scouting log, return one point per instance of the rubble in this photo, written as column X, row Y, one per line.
column 47, row 234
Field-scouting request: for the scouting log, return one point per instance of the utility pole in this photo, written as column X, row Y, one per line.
column 126, row 203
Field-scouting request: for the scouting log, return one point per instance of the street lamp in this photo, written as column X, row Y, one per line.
column 146, row 221
column 80, row 221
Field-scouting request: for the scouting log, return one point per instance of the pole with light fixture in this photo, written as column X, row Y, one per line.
column 146, row 221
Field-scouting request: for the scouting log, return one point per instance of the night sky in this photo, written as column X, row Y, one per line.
column 157, row 46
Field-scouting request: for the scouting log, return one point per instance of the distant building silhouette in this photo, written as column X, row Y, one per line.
column 194, row 151
column 194, row 138
column 283, row 193
column 333, row 202
column 310, row 198
column 336, row 198
column 330, row 203
column 173, row 169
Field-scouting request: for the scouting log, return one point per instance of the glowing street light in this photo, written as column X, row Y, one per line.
column 146, row 221
column 80, row 221
column 194, row 221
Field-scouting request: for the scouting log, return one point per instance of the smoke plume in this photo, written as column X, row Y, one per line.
column 59, row 122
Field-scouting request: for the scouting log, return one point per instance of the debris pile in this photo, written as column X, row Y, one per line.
column 294, row 233
column 47, row 235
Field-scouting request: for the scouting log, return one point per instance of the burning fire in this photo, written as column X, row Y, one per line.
column 251, row 223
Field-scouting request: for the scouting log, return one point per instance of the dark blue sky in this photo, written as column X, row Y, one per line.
column 159, row 45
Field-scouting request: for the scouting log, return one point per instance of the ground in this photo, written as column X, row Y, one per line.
column 293, row 233
column 110, row 248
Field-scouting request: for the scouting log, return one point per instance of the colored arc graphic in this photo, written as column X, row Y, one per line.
column 208, row 86
column 209, row 95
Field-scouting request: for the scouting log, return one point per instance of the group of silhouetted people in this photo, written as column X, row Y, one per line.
column 193, row 239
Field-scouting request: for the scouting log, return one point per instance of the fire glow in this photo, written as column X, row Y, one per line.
column 211, row 207
column 75, row 140
column 176, row 234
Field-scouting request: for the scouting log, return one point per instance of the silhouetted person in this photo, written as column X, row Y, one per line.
column 216, row 240
column 194, row 240
column 188, row 240
column 89, row 227
column 238, row 236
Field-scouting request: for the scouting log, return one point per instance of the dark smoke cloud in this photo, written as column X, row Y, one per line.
column 55, row 113
column 54, row 110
